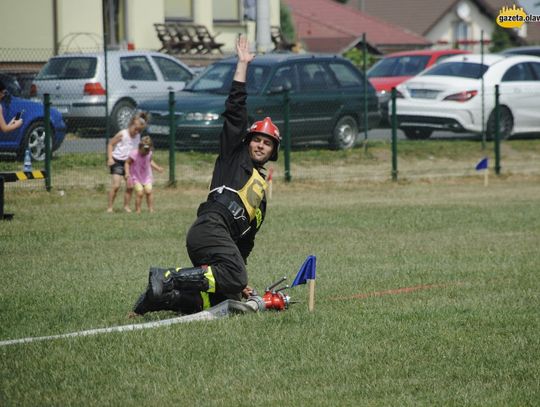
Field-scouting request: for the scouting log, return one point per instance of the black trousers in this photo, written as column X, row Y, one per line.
column 209, row 242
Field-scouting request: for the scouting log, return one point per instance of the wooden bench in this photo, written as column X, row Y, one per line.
column 207, row 40
column 167, row 41
column 180, row 38
column 280, row 42
column 13, row 177
column 174, row 40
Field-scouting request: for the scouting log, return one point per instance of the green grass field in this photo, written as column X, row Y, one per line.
column 466, row 334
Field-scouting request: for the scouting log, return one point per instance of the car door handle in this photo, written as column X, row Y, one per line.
column 133, row 87
column 170, row 88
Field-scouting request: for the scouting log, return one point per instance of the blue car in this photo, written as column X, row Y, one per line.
column 32, row 133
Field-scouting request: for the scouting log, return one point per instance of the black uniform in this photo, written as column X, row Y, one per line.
column 224, row 232
column 221, row 238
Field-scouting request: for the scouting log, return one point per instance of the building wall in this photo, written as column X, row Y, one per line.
column 80, row 26
column 141, row 16
column 442, row 33
column 19, row 37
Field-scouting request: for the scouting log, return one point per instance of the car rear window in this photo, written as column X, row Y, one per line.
column 313, row 77
column 137, row 68
column 399, row 66
column 69, row 68
column 172, row 71
column 460, row 69
column 346, row 75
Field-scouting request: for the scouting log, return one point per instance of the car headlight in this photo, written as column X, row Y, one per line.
column 197, row 116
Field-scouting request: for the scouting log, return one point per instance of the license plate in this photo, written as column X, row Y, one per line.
column 157, row 129
column 423, row 93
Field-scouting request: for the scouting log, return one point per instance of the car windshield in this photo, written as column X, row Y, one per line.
column 460, row 69
column 399, row 66
column 69, row 68
column 218, row 77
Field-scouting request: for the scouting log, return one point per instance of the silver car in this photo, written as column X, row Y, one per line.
column 76, row 84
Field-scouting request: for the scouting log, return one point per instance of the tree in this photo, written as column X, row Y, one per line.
column 500, row 39
column 286, row 22
column 356, row 56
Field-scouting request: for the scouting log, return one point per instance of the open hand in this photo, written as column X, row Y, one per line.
column 242, row 50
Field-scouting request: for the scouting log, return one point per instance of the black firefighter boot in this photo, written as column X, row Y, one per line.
column 184, row 279
column 174, row 300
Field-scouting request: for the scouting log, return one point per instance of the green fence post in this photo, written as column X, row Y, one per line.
column 48, row 150
column 497, row 133
column 172, row 141
column 106, row 66
column 394, row 137
column 482, row 87
column 287, row 135
column 364, row 67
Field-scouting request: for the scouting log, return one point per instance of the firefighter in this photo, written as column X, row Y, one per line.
column 222, row 237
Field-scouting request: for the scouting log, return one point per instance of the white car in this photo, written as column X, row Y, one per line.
column 448, row 96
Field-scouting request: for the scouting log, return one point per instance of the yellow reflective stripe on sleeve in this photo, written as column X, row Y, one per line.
column 205, row 300
column 211, row 280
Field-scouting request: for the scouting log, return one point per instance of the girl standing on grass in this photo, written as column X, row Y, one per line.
column 139, row 167
column 118, row 150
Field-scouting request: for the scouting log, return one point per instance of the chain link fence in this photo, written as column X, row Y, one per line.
column 84, row 117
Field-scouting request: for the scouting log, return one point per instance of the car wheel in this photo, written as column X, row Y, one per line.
column 505, row 127
column 121, row 115
column 345, row 133
column 34, row 139
column 414, row 133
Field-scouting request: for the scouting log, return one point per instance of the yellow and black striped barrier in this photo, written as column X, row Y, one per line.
column 14, row 177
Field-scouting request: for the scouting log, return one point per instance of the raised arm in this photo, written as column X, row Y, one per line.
column 235, row 115
column 244, row 58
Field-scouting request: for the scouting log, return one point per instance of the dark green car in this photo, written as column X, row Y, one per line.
column 326, row 95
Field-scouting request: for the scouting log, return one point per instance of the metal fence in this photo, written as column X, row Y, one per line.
column 77, row 95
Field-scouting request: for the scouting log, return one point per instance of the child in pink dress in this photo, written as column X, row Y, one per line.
column 118, row 150
column 139, row 167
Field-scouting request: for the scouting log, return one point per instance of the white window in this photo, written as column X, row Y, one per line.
column 227, row 10
column 461, row 34
column 179, row 9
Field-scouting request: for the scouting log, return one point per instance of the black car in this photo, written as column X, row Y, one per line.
column 326, row 101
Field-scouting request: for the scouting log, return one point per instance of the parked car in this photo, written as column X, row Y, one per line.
column 533, row 50
column 32, row 133
column 448, row 96
column 326, row 101
column 397, row 67
column 77, row 83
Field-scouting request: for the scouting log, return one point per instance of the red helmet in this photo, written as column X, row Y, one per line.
column 267, row 128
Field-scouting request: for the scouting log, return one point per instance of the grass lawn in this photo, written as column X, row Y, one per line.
column 463, row 331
